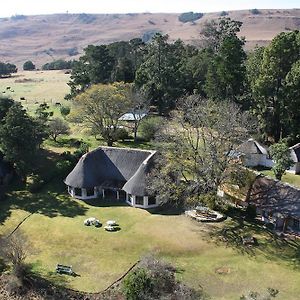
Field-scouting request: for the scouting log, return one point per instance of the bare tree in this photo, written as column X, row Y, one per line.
column 199, row 148
column 58, row 127
column 14, row 250
column 140, row 107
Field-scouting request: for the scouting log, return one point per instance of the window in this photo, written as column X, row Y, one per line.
column 90, row 192
column 78, row 192
column 130, row 198
column 151, row 201
column 139, row 200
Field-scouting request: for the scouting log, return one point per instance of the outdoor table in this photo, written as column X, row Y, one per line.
column 111, row 222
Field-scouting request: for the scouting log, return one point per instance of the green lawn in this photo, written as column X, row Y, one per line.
column 287, row 177
column 57, row 235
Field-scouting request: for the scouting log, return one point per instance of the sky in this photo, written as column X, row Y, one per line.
column 34, row 7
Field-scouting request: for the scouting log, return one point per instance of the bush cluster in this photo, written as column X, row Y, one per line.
column 190, row 17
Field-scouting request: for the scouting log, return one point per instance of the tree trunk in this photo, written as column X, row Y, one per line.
column 135, row 133
column 109, row 143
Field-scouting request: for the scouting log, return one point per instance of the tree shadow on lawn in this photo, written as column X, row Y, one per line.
column 268, row 243
column 48, row 203
column 99, row 202
column 161, row 210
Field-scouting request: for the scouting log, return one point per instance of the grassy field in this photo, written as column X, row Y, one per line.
column 208, row 256
column 36, row 87
column 287, row 177
column 225, row 270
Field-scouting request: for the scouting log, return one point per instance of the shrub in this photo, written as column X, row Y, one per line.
column 137, row 284
column 28, row 66
column 149, row 127
column 122, row 134
column 255, row 11
column 65, row 110
column 155, row 279
column 84, row 148
column 63, row 168
column 223, row 13
column 189, row 17
column 210, row 200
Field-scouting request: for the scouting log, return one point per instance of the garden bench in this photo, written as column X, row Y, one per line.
column 64, row 269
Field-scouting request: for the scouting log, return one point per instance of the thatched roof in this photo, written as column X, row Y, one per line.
column 109, row 167
column 295, row 153
column 275, row 196
column 137, row 184
column 252, row 146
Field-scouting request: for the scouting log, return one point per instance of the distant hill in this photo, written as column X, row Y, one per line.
column 45, row 37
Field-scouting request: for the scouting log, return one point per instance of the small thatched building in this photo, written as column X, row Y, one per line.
column 295, row 155
column 110, row 172
column 277, row 203
column 253, row 154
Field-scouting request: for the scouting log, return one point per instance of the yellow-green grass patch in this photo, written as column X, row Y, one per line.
column 57, row 235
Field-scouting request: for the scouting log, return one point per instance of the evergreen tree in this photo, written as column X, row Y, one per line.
column 18, row 139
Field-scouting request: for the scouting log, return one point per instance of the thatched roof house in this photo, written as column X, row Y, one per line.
column 254, row 154
column 277, row 202
column 295, row 155
column 110, row 171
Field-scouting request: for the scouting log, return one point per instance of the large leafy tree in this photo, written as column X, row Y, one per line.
column 291, row 91
column 215, row 31
column 101, row 106
column 226, row 71
column 95, row 66
column 160, row 75
column 28, row 65
column 18, row 139
column 276, row 86
column 225, row 78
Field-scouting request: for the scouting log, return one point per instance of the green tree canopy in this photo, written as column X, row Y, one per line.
column 276, row 86
column 6, row 69
column 18, row 139
column 160, row 76
column 281, row 154
column 101, row 106
column 28, row 65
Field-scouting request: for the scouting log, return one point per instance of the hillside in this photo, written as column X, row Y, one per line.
column 45, row 37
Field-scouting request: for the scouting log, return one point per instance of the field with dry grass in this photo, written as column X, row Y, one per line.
column 46, row 37
column 36, row 87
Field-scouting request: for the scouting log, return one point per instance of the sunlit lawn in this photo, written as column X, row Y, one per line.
column 57, row 235
column 287, row 177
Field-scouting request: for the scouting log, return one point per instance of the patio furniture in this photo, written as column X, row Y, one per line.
column 91, row 221
column 62, row 269
column 110, row 228
column 111, row 223
column 97, row 223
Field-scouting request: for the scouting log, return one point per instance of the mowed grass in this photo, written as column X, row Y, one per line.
column 287, row 177
column 56, row 234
